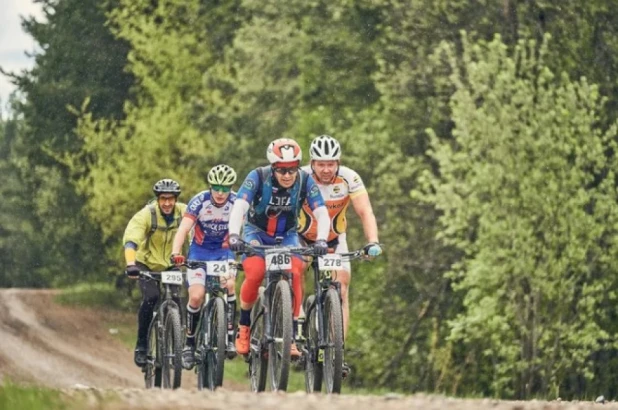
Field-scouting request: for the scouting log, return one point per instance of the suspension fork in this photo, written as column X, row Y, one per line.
column 319, row 303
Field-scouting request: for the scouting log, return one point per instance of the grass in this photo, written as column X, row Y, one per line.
column 13, row 396
column 97, row 295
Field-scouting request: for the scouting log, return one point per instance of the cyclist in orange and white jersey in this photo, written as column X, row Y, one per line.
column 339, row 186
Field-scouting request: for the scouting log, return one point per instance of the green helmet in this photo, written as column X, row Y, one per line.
column 222, row 175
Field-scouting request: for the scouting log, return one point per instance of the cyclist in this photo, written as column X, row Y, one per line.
column 273, row 196
column 207, row 215
column 339, row 186
column 147, row 247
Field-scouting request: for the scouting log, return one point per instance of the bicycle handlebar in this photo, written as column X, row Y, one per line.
column 157, row 275
column 194, row 264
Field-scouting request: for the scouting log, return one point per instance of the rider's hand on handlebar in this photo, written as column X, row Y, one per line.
column 320, row 247
column 236, row 244
column 132, row 271
column 177, row 259
column 372, row 249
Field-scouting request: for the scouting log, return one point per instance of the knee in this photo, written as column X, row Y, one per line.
column 254, row 273
column 343, row 278
column 254, row 268
column 230, row 285
column 151, row 295
column 196, row 299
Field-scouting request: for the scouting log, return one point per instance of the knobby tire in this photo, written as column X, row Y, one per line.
column 279, row 349
column 313, row 367
column 152, row 370
column 258, row 355
column 333, row 352
column 217, row 343
column 172, row 346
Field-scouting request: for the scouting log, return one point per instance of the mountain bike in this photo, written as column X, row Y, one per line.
column 211, row 333
column 165, row 335
column 271, row 318
column 323, row 327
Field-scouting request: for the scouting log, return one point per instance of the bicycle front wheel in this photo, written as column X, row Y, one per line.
column 279, row 349
column 200, row 351
column 333, row 352
column 172, row 350
column 217, row 337
column 314, row 359
column 152, row 370
column 258, row 353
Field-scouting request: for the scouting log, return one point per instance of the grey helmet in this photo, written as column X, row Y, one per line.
column 166, row 186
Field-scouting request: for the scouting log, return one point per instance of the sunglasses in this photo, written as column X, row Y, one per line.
column 283, row 171
column 221, row 188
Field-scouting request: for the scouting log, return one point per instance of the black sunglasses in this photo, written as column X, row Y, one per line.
column 283, row 171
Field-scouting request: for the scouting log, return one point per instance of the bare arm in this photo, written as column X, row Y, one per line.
column 362, row 207
column 183, row 230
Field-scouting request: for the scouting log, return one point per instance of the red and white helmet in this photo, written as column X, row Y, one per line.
column 284, row 150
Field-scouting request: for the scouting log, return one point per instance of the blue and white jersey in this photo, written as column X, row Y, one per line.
column 210, row 231
column 274, row 209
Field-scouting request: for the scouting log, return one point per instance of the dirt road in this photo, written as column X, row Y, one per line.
column 62, row 347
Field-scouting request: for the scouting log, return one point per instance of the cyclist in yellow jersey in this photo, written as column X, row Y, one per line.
column 339, row 186
column 147, row 243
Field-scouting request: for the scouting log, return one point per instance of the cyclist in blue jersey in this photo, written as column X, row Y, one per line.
column 273, row 196
column 207, row 215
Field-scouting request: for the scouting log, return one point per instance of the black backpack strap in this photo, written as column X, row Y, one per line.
column 263, row 174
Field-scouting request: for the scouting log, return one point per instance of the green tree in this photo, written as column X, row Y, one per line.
column 526, row 192
column 79, row 58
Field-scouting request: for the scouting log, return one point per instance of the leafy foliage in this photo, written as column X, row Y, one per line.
column 498, row 224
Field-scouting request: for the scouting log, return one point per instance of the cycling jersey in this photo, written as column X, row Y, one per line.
column 210, row 231
column 275, row 209
column 153, row 248
column 346, row 185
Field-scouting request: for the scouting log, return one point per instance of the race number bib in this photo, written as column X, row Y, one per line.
column 330, row 261
column 217, row 268
column 277, row 260
column 171, row 277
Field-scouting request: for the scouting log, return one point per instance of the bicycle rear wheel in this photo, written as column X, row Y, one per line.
column 152, row 370
column 172, row 350
column 313, row 361
column 333, row 352
column 216, row 343
column 258, row 353
column 279, row 349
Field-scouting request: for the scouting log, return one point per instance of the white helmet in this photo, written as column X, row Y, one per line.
column 284, row 150
column 325, row 148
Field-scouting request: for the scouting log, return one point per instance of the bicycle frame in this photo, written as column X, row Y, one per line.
column 165, row 303
column 322, row 281
column 271, row 277
column 167, row 293
column 278, row 265
column 213, row 290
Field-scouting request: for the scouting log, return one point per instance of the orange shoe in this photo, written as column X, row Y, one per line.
column 294, row 352
column 242, row 340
